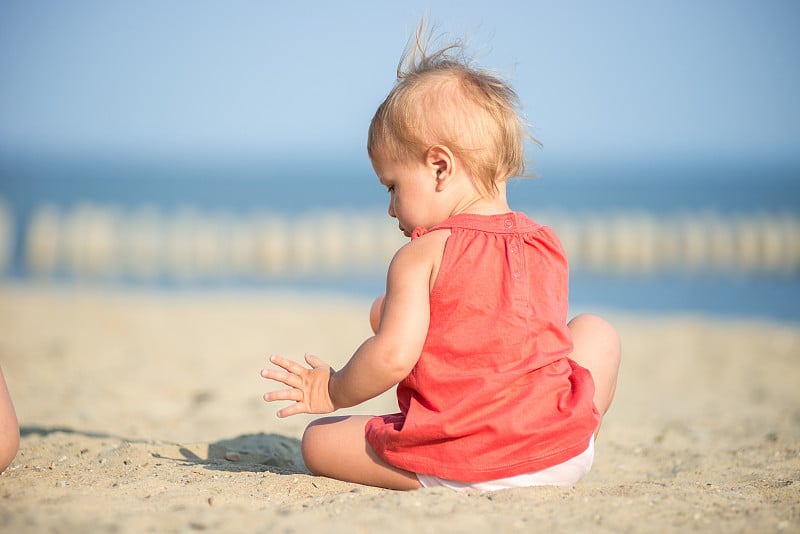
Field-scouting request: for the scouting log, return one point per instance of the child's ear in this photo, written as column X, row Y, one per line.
column 441, row 163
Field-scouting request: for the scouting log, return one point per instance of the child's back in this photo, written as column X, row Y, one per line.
column 493, row 393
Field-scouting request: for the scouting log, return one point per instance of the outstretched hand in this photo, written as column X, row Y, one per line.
column 308, row 388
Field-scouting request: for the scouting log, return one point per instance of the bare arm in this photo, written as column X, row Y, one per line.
column 386, row 358
column 382, row 360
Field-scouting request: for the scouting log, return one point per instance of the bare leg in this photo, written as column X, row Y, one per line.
column 597, row 347
column 337, row 447
column 9, row 428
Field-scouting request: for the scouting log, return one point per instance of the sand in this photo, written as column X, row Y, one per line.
column 142, row 412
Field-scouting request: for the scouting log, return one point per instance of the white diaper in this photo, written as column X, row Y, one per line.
column 564, row 474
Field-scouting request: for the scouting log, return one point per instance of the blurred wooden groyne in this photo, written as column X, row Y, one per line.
column 90, row 241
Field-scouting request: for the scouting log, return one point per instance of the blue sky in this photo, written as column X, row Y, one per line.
column 614, row 79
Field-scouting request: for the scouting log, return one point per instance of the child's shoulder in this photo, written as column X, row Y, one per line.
column 424, row 241
column 419, row 259
column 425, row 246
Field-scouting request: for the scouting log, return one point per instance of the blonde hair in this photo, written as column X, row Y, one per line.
column 440, row 99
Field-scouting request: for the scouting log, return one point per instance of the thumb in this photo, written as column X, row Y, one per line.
column 315, row 362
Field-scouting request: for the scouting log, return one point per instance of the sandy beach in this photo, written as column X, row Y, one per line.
column 142, row 411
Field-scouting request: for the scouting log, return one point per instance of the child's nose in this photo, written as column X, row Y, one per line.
column 391, row 209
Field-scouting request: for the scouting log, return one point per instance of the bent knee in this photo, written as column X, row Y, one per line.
column 309, row 446
column 8, row 450
column 590, row 320
column 601, row 330
column 313, row 445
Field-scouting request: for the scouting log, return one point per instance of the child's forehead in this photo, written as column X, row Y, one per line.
column 384, row 156
column 380, row 166
column 378, row 155
column 389, row 167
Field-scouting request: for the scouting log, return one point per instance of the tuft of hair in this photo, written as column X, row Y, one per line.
column 440, row 98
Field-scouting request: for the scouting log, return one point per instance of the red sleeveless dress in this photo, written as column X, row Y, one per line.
column 494, row 393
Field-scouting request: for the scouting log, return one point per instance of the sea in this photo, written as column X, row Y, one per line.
column 291, row 187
